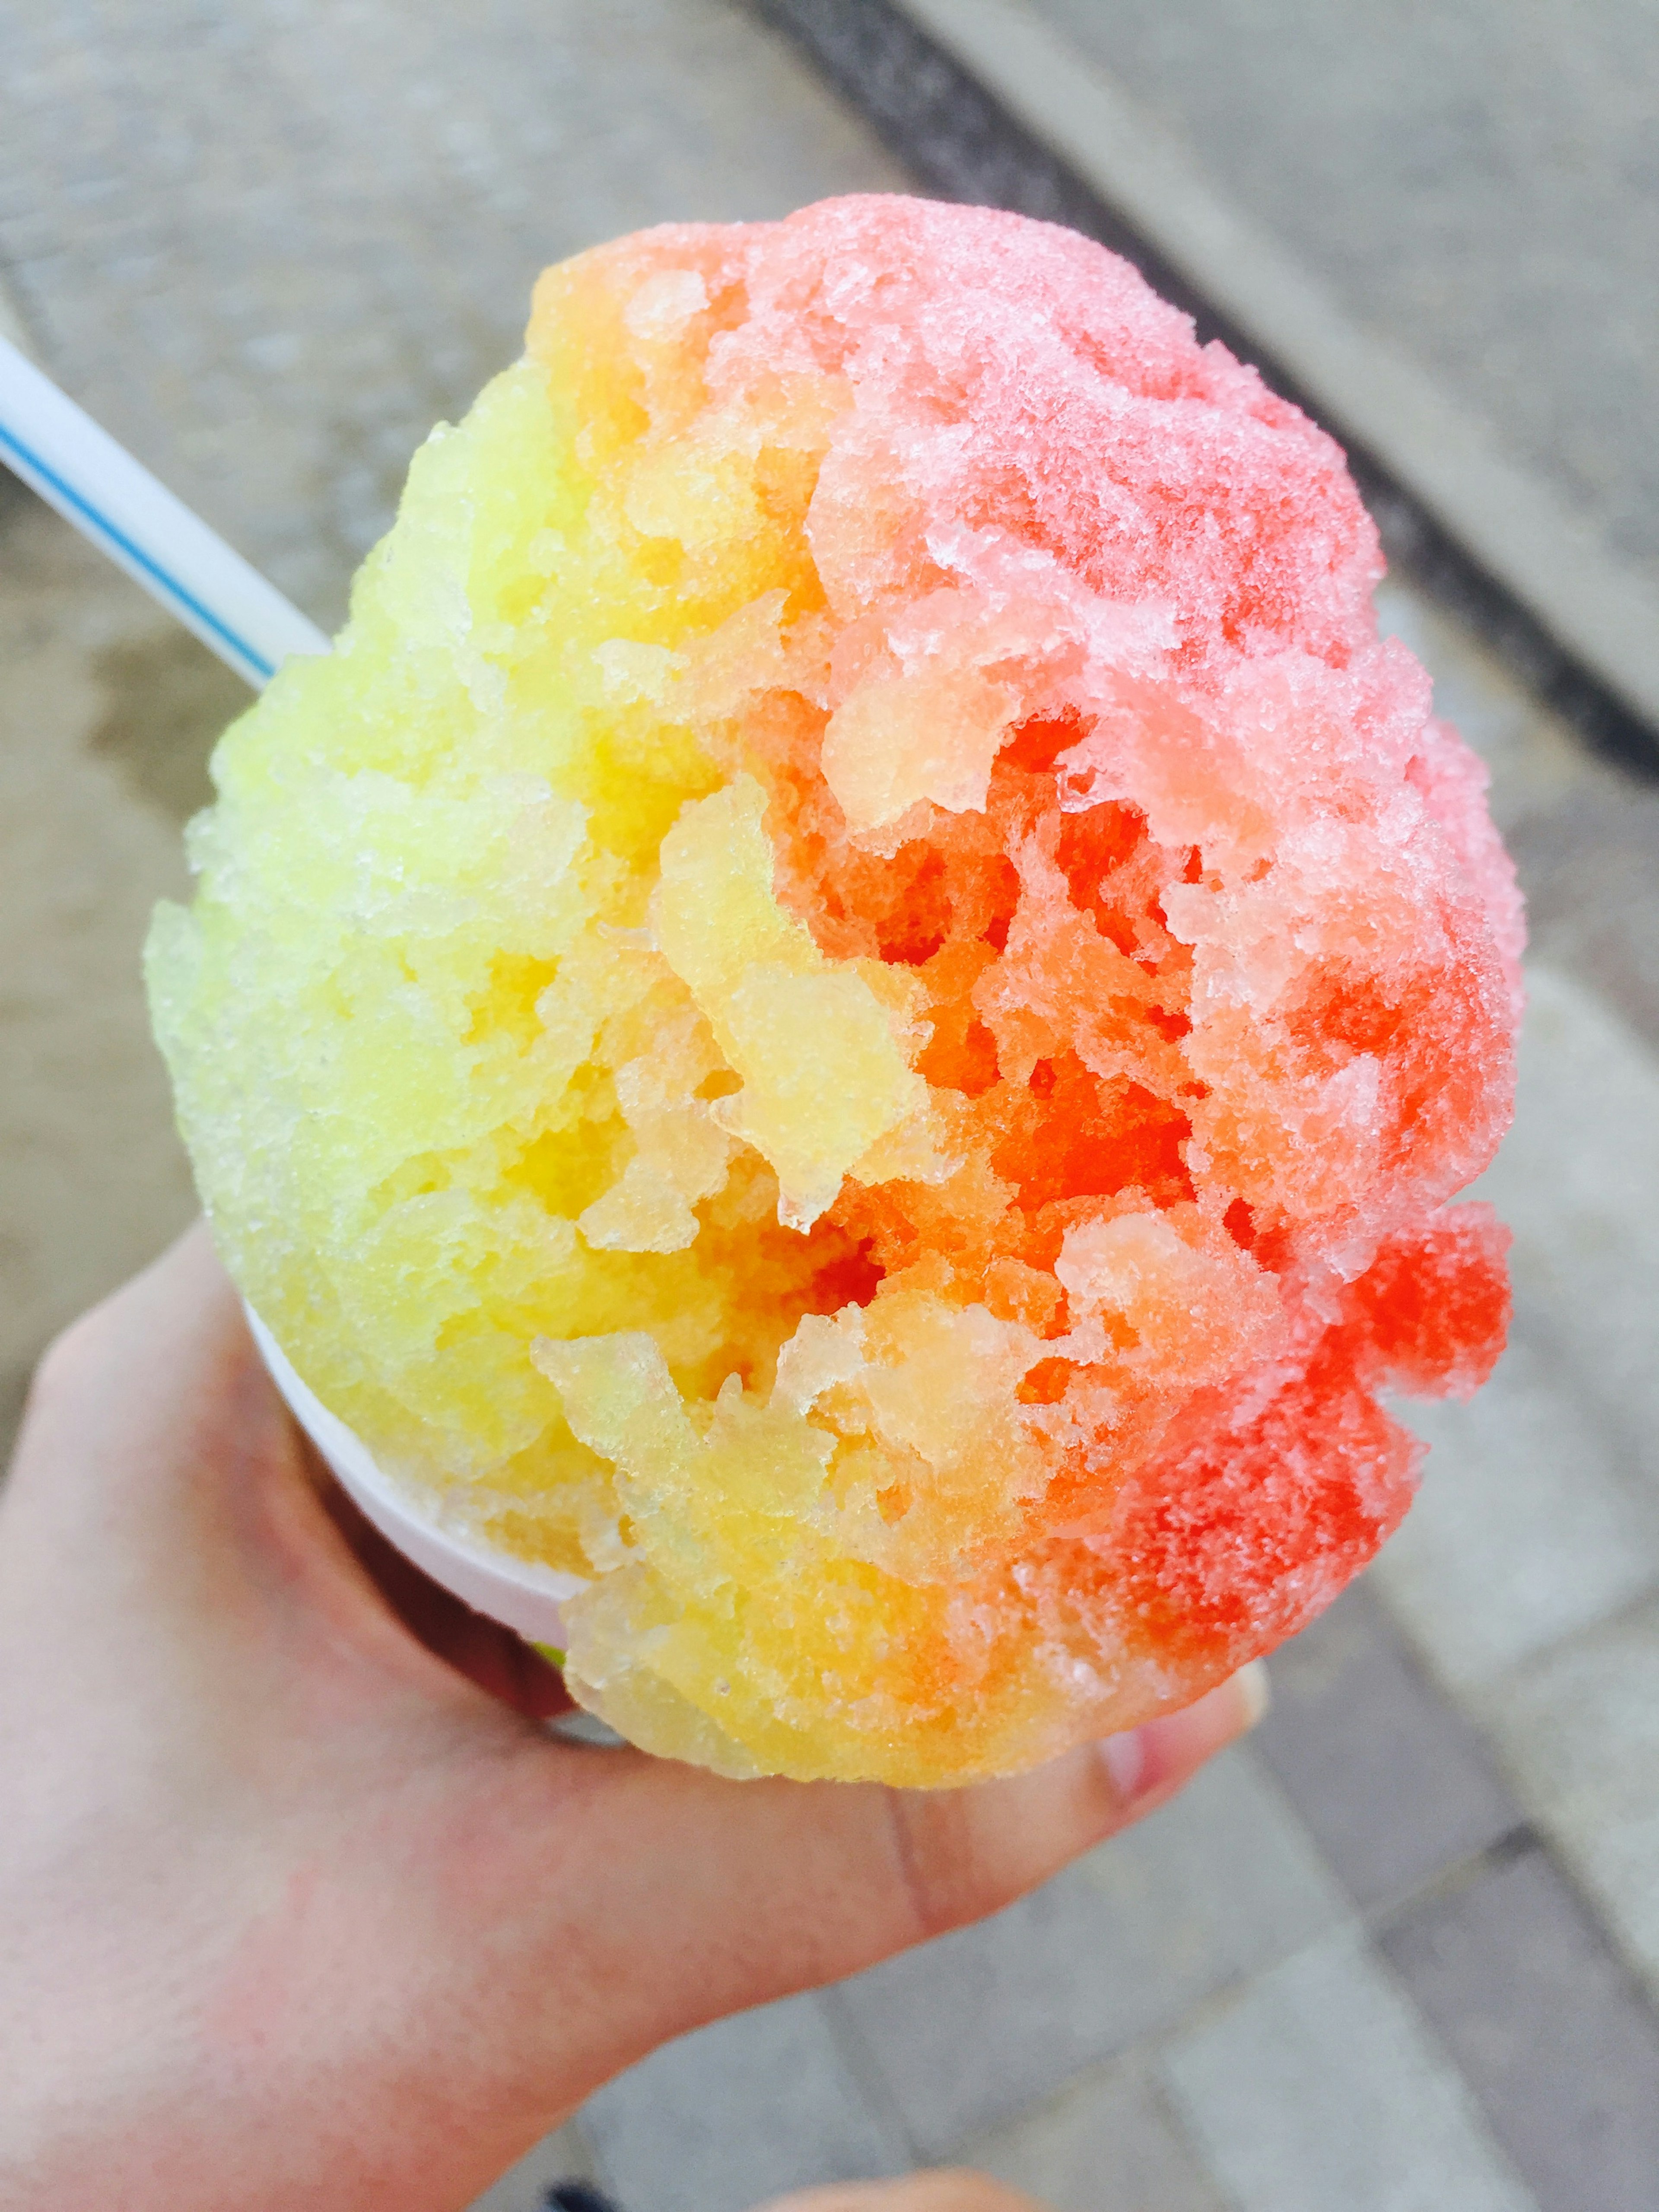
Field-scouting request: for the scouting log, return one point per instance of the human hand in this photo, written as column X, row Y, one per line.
column 298, row 1900
column 943, row 2188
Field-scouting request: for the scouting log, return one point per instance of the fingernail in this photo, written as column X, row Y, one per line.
column 1125, row 1757
column 1143, row 1761
column 1256, row 1692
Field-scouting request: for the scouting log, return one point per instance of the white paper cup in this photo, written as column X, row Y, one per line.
column 523, row 1596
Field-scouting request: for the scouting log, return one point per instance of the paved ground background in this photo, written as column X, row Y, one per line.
column 1402, row 1951
column 272, row 242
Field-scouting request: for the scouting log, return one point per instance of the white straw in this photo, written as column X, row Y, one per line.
column 96, row 484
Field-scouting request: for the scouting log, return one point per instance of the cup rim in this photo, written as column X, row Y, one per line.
column 523, row 1596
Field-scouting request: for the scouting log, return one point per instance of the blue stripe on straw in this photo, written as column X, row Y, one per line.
column 135, row 553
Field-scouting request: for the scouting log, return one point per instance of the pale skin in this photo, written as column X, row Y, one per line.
column 299, row 1901
column 952, row 2190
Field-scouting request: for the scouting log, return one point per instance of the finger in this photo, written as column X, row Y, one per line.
column 127, row 1385
column 487, row 1654
column 943, row 2188
column 740, row 1892
column 133, row 1435
column 156, row 1450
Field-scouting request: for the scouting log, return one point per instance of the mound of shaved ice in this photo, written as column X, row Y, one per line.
column 852, row 1006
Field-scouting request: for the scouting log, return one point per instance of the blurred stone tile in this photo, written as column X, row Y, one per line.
column 1577, row 1180
column 562, row 2156
column 14, row 328
column 970, row 2030
column 1579, row 1729
column 737, row 2112
column 1109, row 2144
column 1318, row 2089
column 1591, row 867
column 1391, row 1780
column 1526, row 1527
column 1548, row 2028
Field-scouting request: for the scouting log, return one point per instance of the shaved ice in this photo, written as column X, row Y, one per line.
column 851, row 1007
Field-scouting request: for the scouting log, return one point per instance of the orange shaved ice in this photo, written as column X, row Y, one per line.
column 852, row 1006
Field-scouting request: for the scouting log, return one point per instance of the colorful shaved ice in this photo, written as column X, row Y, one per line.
column 851, row 1007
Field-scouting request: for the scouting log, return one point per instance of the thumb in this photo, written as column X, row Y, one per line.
column 942, row 2189
column 740, row 1892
